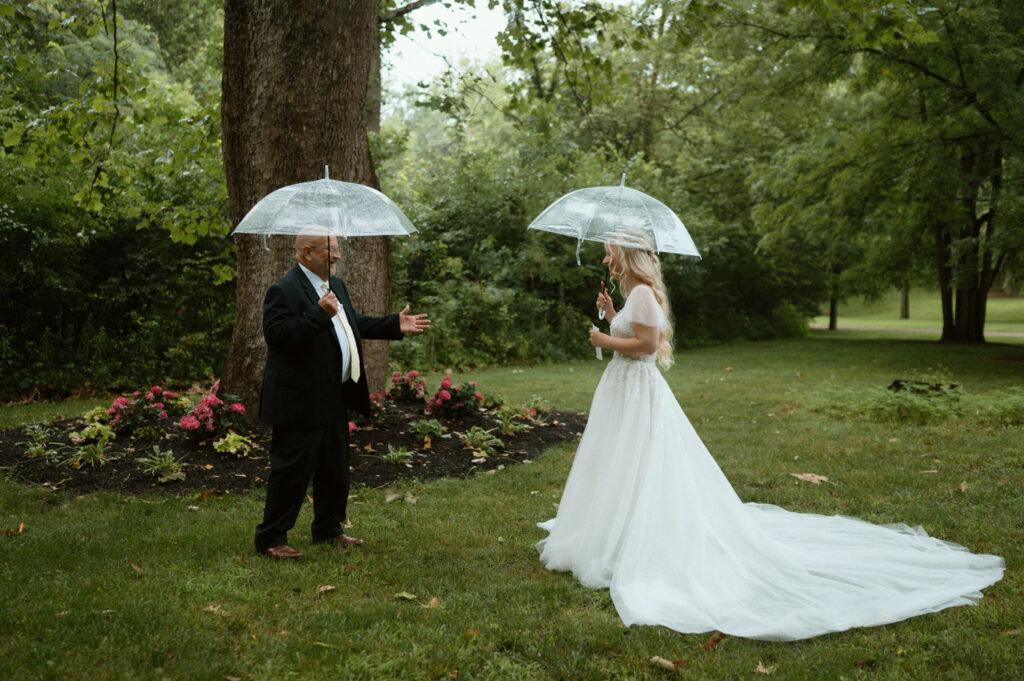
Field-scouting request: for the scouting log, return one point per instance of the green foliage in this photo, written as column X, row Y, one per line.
column 424, row 428
column 237, row 445
column 112, row 200
column 482, row 440
column 91, row 454
column 163, row 465
column 397, row 455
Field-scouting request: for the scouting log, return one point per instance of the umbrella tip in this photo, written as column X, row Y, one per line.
column 622, row 182
column 327, row 172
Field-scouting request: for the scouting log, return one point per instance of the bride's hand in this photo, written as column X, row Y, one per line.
column 605, row 304
column 598, row 339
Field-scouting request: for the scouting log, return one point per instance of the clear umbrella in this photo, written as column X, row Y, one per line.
column 611, row 214
column 342, row 209
column 339, row 209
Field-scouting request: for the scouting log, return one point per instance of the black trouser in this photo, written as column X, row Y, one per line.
column 296, row 455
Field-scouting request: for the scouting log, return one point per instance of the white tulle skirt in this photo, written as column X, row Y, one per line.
column 647, row 512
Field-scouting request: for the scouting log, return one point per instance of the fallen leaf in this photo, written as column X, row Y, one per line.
column 811, row 477
column 13, row 533
column 963, row 486
column 325, row 588
column 410, row 499
column 930, row 471
column 434, row 604
column 713, row 642
column 207, row 494
column 1012, row 632
column 63, row 613
column 663, row 663
column 207, row 466
column 324, row 645
column 369, row 449
column 453, row 674
column 216, row 609
column 761, row 669
column 481, row 459
column 405, row 596
column 426, row 443
column 392, row 496
column 136, row 568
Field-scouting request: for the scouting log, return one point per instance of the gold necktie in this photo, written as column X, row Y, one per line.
column 353, row 359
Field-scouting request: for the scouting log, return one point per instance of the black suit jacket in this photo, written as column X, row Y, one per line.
column 302, row 378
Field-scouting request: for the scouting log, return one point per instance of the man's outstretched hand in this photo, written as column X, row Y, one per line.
column 412, row 323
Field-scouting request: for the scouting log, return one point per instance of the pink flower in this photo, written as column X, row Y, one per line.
column 136, row 393
column 479, row 396
column 446, row 382
column 238, row 408
column 170, row 395
column 163, row 416
column 352, row 427
column 156, row 390
column 189, row 422
column 216, row 387
column 158, row 405
column 472, row 384
column 150, row 396
column 443, row 395
column 413, row 374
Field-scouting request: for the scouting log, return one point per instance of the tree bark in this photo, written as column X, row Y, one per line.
column 904, row 302
column 833, row 311
column 294, row 94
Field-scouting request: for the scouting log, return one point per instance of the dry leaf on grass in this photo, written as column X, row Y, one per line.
column 434, row 604
column 761, row 669
column 811, row 477
column 405, row 596
column 663, row 663
column 325, row 588
column 14, row 533
column 713, row 642
column 214, row 608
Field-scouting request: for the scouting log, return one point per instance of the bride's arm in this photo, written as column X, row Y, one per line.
column 645, row 343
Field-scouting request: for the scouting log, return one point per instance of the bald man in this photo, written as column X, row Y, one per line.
column 314, row 375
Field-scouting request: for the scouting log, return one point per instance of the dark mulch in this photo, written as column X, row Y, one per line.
column 207, row 471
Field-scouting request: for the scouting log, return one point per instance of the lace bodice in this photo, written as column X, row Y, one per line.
column 641, row 307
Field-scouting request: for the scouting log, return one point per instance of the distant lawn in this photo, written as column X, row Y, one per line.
column 167, row 587
column 1003, row 314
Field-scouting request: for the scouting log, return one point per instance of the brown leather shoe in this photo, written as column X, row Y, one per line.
column 282, row 551
column 346, row 541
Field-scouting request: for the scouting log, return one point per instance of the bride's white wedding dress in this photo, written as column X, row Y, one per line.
column 647, row 512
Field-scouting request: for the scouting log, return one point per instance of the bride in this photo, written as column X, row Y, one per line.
column 647, row 512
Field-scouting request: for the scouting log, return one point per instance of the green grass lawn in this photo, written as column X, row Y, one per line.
column 1003, row 315
column 108, row 587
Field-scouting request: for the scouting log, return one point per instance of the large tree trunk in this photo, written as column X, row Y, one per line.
column 293, row 100
column 905, row 302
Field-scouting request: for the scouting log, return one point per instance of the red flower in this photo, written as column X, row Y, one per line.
column 446, row 382
column 444, row 395
column 238, row 408
column 479, row 396
column 351, row 427
column 189, row 422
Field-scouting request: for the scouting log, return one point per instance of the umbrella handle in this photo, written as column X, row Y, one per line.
column 265, row 246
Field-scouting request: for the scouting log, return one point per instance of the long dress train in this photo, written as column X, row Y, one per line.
column 647, row 512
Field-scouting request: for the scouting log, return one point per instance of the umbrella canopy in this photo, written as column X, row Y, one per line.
column 611, row 214
column 343, row 209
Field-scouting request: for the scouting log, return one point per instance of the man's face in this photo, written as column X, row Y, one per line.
column 321, row 258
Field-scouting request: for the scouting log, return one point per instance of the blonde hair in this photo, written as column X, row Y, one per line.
column 639, row 264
